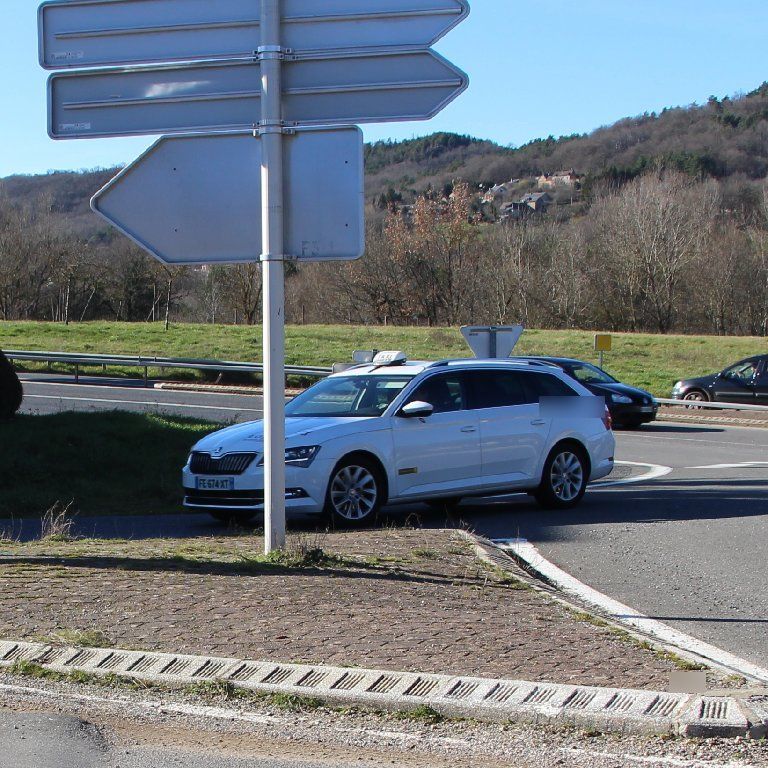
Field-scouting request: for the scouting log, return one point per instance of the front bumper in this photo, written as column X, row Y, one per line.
column 622, row 413
column 305, row 490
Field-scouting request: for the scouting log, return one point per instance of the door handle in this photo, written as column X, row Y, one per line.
column 469, row 429
column 538, row 422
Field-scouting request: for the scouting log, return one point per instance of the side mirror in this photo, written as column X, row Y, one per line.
column 417, row 409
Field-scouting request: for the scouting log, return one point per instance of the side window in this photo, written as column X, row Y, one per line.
column 444, row 393
column 541, row 385
column 742, row 372
column 496, row 389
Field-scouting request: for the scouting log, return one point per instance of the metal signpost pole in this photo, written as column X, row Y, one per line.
column 271, row 131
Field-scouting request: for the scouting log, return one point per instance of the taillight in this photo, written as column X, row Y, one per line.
column 607, row 420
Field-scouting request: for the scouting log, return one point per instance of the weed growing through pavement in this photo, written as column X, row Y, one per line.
column 421, row 714
column 88, row 638
column 57, row 523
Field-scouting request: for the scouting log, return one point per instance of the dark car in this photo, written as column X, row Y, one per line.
column 742, row 382
column 629, row 406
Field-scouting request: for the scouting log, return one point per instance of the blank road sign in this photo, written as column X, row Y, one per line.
column 92, row 33
column 320, row 89
column 197, row 199
column 496, row 341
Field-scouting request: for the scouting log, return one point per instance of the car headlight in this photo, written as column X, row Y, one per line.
column 299, row 457
column 678, row 388
column 623, row 399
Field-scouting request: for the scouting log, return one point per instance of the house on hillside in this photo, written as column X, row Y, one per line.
column 567, row 178
column 500, row 191
column 527, row 206
column 537, row 201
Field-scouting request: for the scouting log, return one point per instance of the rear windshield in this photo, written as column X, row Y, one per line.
column 348, row 396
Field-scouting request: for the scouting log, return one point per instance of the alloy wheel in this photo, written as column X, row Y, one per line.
column 567, row 476
column 354, row 492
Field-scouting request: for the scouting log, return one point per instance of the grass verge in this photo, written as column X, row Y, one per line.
column 651, row 361
column 95, row 463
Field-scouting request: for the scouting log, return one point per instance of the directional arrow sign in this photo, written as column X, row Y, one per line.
column 191, row 199
column 95, row 33
column 319, row 89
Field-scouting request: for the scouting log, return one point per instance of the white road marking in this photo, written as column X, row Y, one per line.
column 123, row 388
column 144, row 402
column 706, row 441
column 742, row 465
column 523, row 549
column 654, row 471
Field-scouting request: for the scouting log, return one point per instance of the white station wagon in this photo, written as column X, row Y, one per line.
column 395, row 431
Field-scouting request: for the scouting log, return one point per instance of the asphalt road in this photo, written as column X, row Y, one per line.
column 46, row 394
column 688, row 548
column 33, row 740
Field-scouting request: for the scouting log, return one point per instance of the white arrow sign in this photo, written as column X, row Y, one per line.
column 190, row 199
column 95, row 33
column 321, row 89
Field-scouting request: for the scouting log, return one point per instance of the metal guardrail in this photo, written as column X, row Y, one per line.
column 78, row 360
column 693, row 404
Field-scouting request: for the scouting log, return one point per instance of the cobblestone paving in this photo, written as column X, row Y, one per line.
column 400, row 599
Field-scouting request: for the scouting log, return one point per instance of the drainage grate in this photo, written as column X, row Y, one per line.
column 111, row 661
column 17, row 653
column 245, row 672
column 49, row 655
column 143, row 664
column 620, row 702
column 176, row 667
column 421, row 686
column 579, row 699
column 210, row 669
column 714, row 709
column 662, row 706
column 277, row 676
column 462, row 690
column 540, row 695
column 385, row 684
column 348, row 681
column 80, row 658
column 312, row 679
column 501, row 692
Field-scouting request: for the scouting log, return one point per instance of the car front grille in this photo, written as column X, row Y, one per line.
column 230, row 464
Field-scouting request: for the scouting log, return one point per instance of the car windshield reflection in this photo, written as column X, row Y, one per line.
column 348, row 397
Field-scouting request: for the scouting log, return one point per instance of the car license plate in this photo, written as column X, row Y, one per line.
column 215, row 483
column 647, row 409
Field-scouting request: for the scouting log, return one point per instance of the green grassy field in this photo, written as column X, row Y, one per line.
column 650, row 361
column 101, row 463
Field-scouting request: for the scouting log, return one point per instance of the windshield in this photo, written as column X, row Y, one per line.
column 589, row 374
column 348, row 396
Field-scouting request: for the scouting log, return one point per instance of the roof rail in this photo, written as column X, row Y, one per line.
column 440, row 364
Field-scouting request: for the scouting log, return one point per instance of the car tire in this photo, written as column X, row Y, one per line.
column 231, row 517
column 355, row 493
column 444, row 505
column 695, row 396
column 564, row 479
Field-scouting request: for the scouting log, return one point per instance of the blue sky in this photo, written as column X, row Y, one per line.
column 559, row 67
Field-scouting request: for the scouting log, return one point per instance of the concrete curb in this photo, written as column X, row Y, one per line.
column 491, row 700
column 700, row 419
column 220, row 389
